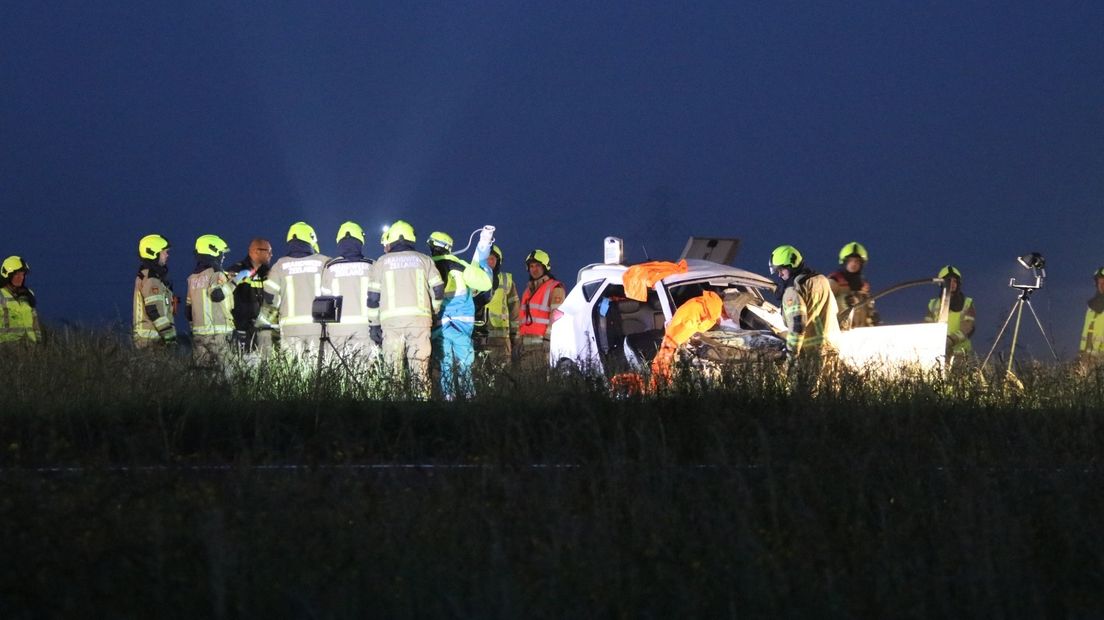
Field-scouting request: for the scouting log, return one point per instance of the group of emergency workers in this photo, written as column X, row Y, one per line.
column 405, row 307
column 411, row 307
column 816, row 308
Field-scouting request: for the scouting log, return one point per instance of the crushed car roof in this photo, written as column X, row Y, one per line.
column 697, row 269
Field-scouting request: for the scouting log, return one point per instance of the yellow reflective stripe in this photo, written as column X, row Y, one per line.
column 422, row 288
column 389, row 282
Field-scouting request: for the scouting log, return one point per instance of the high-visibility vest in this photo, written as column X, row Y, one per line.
column 536, row 312
column 955, row 323
column 502, row 308
column 1092, row 336
column 208, row 317
column 18, row 319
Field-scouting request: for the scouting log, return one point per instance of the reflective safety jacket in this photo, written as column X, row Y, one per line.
column 541, row 298
column 18, row 317
column 1092, row 335
column 809, row 311
column 292, row 285
column 348, row 278
column 210, row 303
column 463, row 281
column 960, row 325
column 404, row 289
column 153, row 308
column 501, row 312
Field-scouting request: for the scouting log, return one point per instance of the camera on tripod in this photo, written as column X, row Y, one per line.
column 1035, row 262
column 326, row 309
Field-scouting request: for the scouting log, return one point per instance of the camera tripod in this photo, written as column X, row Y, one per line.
column 324, row 340
column 1024, row 299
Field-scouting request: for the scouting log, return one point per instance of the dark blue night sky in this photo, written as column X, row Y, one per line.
column 934, row 133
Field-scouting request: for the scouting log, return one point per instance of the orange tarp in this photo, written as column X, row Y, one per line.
column 696, row 315
column 639, row 278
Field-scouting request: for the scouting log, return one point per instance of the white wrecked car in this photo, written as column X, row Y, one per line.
column 600, row 329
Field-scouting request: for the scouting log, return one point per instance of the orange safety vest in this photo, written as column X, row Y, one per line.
column 536, row 313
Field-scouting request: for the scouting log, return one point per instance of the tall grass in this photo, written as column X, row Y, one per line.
column 544, row 495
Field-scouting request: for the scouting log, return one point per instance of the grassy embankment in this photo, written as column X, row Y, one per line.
column 913, row 497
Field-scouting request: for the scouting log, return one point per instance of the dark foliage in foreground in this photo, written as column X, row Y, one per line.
column 916, row 497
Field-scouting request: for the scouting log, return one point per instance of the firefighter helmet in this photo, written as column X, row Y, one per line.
column 399, row 230
column 784, row 256
column 13, row 264
column 950, row 271
column 350, row 229
column 211, row 245
column 151, row 246
column 852, row 249
column 539, row 256
column 303, row 231
column 497, row 251
column 440, row 241
column 1099, row 273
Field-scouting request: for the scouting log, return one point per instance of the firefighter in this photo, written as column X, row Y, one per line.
column 18, row 316
column 210, row 302
column 254, row 330
column 542, row 297
column 292, row 284
column 960, row 317
column 454, row 324
column 154, row 302
column 497, row 310
column 1092, row 335
column 405, row 291
column 346, row 276
column 851, row 289
column 808, row 308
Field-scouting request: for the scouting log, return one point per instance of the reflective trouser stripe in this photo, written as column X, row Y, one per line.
column 445, row 320
column 212, row 330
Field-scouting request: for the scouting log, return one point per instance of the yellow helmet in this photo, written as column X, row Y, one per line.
column 211, row 245
column 784, row 256
column 497, row 251
column 350, row 229
column 151, row 246
column 950, row 271
column 852, row 249
column 539, row 256
column 303, row 232
column 440, row 240
column 399, row 230
column 1099, row 273
column 13, row 264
